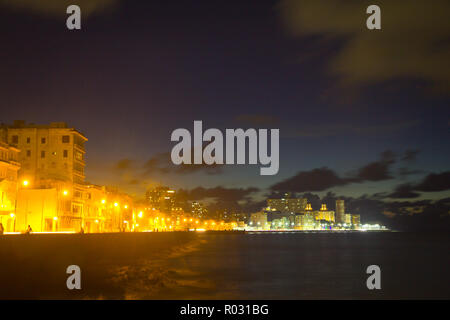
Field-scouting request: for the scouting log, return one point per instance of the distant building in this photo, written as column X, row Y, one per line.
column 287, row 204
column 198, row 211
column 348, row 218
column 305, row 221
column 324, row 214
column 161, row 198
column 340, row 211
column 356, row 220
column 258, row 220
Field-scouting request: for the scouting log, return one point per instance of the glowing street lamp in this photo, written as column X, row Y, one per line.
column 140, row 214
column 25, row 183
column 103, row 201
column 13, row 216
column 65, row 192
column 116, row 204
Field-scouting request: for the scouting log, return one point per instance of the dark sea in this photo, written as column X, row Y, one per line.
column 227, row 265
column 318, row 266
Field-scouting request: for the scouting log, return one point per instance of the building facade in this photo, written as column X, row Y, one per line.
column 51, row 157
column 287, row 204
column 9, row 167
column 340, row 211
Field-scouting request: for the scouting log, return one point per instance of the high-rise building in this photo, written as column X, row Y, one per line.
column 161, row 198
column 340, row 211
column 198, row 210
column 287, row 204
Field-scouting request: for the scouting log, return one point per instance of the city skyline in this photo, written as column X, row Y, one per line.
column 380, row 136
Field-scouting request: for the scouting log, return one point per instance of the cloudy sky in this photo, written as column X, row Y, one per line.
column 360, row 112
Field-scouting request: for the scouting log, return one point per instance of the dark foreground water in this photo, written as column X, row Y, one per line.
column 227, row 265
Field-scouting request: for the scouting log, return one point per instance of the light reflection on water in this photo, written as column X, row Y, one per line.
column 297, row 266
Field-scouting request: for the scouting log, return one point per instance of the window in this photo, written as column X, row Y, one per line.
column 65, row 139
column 28, row 140
column 42, row 140
column 15, row 139
column 28, row 153
column 42, row 154
column 65, row 154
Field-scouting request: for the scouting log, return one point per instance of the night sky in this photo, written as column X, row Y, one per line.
column 360, row 112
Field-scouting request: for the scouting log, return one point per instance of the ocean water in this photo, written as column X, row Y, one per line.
column 308, row 266
column 227, row 265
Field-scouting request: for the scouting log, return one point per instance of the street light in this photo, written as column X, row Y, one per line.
column 65, row 192
column 13, row 216
column 25, row 183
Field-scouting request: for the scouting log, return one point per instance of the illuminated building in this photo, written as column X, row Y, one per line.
column 258, row 220
column 51, row 157
column 340, row 211
column 9, row 167
column 356, row 220
column 348, row 219
column 287, row 204
column 305, row 221
column 198, row 211
column 324, row 214
column 161, row 198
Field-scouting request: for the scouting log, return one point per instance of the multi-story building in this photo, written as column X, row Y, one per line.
column 324, row 214
column 51, row 157
column 287, row 204
column 161, row 198
column 305, row 221
column 340, row 211
column 356, row 220
column 348, row 219
column 198, row 211
column 9, row 167
column 258, row 220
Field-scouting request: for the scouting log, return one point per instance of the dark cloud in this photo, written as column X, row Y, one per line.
column 403, row 172
column 124, row 164
column 326, row 130
column 57, row 8
column 257, row 120
column 218, row 193
column 314, row 180
column 404, row 191
column 413, row 41
column 378, row 170
column 321, row 179
column 410, row 155
column 435, row 182
column 162, row 163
